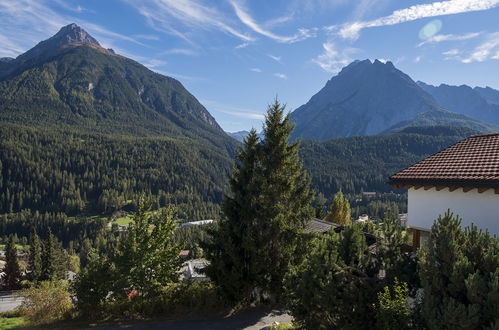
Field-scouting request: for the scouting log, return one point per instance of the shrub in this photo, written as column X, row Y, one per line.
column 392, row 310
column 46, row 303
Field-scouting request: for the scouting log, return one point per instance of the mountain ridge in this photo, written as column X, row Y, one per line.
column 69, row 80
column 371, row 97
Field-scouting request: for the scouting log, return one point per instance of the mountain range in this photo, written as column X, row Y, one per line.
column 368, row 98
column 85, row 130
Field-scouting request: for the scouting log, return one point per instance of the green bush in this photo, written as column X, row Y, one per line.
column 46, row 303
column 392, row 310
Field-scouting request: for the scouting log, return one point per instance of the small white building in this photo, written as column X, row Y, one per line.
column 463, row 178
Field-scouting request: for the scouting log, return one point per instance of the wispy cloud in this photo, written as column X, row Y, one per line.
column 179, row 51
column 417, row 59
column 449, row 37
column 232, row 110
column 332, row 59
column 146, row 36
column 248, row 20
column 241, row 46
column 280, row 75
column 488, row 49
column 23, row 23
column 275, row 58
column 256, row 70
column 449, row 7
column 154, row 63
column 168, row 15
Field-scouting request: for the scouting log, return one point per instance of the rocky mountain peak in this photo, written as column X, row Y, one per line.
column 72, row 33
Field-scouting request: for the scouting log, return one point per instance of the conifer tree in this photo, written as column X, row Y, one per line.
column 35, row 257
column 284, row 201
column 49, row 257
column 320, row 206
column 234, row 242
column 333, row 288
column 269, row 206
column 460, row 277
column 12, row 273
column 340, row 212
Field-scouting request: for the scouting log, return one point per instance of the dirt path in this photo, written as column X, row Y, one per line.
column 250, row 320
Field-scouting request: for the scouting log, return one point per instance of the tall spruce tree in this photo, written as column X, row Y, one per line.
column 269, row 206
column 460, row 276
column 12, row 273
column 35, row 257
column 284, row 200
column 340, row 212
column 234, row 266
column 49, row 258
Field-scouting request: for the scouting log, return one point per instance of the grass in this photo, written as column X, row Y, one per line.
column 12, row 322
column 123, row 220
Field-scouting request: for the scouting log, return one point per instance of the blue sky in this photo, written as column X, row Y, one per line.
column 235, row 56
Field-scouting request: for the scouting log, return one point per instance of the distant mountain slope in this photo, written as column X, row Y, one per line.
column 365, row 98
column 368, row 98
column 490, row 94
column 364, row 163
column 444, row 117
column 70, row 81
column 239, row 135
column 465, row 100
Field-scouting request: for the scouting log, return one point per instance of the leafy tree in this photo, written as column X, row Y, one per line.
column 93, row 284
column 35, row 258
column 460, row 277
column 340, row 210
column 147, row 259
column 12, row 273
column 392, row 310
column 332, row 288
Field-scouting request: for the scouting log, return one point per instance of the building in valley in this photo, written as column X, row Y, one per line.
column 463, row 178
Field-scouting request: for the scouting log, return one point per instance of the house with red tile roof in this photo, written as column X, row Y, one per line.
column 463, row 178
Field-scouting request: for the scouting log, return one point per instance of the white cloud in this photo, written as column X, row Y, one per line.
column 449, row 37
column 247, row 20
column 275, row 58
column 256, row 69
column 146, row 36
column 451, row 52
column 333, row 60
column 154, row 63
column 243, row 45
column 449, row 7
column 280, row 75
column 24, row 23
column 179, row 51
column 489, row 49
column 168, row 15
column 232, row 110
column 417, row 59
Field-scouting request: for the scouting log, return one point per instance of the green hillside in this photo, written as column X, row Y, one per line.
column 364, row 163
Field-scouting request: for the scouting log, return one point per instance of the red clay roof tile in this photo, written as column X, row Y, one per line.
column 471, row 162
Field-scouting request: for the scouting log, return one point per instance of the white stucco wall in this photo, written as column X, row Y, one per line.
column 424, row 206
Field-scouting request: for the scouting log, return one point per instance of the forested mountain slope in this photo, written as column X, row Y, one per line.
column 364, row 163
column 70, row 81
